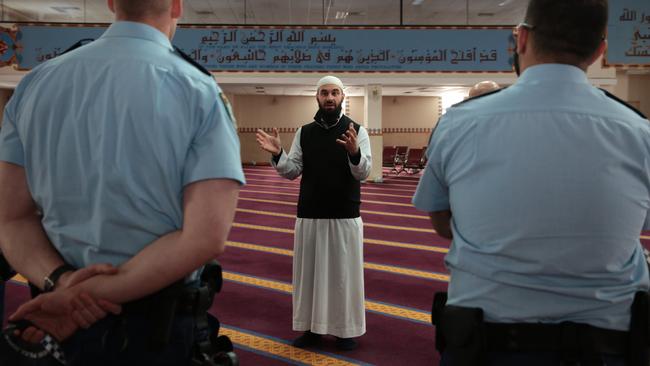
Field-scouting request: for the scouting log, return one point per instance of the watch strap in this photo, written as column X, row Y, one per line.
column 50, row 280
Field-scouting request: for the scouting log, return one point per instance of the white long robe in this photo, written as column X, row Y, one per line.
column 328, row 290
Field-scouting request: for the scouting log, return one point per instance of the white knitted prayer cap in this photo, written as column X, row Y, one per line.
column 329, row 80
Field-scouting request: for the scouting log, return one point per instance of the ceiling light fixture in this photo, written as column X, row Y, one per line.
column 341, row 15
column 417, row 2
column 65, row 9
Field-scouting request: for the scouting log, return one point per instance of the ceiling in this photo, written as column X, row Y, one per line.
column 287, row 12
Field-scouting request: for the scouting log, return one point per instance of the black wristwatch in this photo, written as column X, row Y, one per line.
column 50, row 280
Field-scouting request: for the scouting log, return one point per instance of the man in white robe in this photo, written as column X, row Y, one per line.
column 332, row 154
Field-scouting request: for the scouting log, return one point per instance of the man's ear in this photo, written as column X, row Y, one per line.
column 522, row 40
column 599, row 51
column 177, row 9
column 111, row 6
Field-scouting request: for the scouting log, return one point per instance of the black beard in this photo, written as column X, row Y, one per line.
column 329, row 116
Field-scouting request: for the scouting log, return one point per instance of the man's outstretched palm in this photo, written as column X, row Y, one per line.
column 270, row 143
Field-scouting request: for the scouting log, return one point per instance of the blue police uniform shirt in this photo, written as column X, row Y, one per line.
column 548, row 184
column 110, row 134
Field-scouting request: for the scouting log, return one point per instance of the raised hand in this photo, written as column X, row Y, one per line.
column 270, row 143
column 349, row 141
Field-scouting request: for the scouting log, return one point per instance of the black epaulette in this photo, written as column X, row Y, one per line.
column 187, row 58
column 624, row 103
column 478, row 96
column 81, row 42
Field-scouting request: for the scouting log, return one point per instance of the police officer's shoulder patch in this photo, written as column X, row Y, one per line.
column 228, row 108
column 612, row 96
column 189, row 59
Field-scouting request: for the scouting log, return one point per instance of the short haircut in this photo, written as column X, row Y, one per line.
column 137, row 9
column 570, row 30
column 483, row 87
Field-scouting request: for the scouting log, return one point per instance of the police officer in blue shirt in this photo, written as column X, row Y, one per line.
column 131, row 154
column 544, row 189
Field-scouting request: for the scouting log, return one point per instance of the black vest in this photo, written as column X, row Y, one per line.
column 327, row 189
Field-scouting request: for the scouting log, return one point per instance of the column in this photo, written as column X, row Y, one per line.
column 372, row 117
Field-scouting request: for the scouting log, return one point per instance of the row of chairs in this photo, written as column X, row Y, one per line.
column 404, row 159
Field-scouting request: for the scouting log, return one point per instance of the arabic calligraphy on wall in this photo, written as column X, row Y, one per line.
column 628, row 33
column 308, row 49
column 322, row 49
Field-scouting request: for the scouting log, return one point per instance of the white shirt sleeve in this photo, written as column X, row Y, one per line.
column 290, row 166
column 362, row 170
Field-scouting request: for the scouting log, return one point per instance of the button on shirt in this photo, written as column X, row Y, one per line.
column 109, row 135
column 548, row 184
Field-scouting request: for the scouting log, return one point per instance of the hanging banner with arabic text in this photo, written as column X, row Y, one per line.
column 628, row 33
column 301, row 48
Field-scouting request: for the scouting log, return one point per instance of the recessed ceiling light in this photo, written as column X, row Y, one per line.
column 417, row 2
